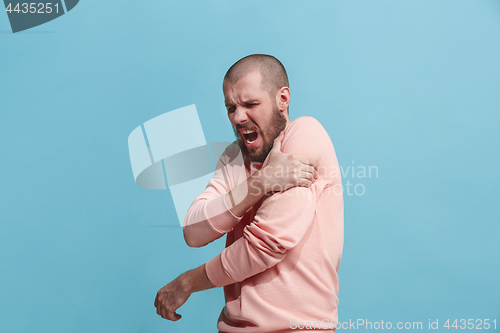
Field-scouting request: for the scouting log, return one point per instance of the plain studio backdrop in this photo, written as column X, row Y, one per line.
column 409, row 88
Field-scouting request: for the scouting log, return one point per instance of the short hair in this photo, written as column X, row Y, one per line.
column 272, row 71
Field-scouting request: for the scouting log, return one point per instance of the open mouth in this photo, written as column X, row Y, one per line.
column 249, row 135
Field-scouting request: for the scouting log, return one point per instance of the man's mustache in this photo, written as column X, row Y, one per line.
column 253, row 128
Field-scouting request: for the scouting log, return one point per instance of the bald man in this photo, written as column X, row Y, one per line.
column 280, row 206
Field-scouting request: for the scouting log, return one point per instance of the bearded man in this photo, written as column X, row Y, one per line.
column 277, row 196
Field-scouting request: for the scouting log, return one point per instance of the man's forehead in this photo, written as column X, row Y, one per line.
column 245, row 73
column 250, row 79
column 247, row 89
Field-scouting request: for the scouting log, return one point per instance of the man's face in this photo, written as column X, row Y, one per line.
column 255, row 117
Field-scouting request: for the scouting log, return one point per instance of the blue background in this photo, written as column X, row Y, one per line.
column 411, row 87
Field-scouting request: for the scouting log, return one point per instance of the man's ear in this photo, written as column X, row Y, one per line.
column 283, row 98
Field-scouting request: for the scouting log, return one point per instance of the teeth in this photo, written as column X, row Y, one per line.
column 246, row 132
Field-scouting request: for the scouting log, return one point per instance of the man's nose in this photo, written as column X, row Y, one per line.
column 240, row 115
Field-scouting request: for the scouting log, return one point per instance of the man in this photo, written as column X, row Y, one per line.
column 281, row 210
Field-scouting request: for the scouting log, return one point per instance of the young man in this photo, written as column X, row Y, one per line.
column 281, row 208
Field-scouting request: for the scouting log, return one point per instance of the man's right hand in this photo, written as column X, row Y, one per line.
column 284, row 171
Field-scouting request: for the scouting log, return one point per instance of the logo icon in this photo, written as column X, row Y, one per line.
column 171, row 150
column 25, row 15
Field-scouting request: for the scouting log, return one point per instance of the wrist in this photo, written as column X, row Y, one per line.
column 185, row 284
column 194, row 280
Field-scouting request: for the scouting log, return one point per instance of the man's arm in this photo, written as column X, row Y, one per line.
column 207, row 218
column 302, row 174
column 219, row 209
column 283, row 218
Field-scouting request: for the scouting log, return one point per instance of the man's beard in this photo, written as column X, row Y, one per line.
column 277, row 124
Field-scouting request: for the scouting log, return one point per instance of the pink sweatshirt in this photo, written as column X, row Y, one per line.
column 279, row 267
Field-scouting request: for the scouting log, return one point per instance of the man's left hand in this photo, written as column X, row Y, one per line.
column 174, row 294
column 170, row 298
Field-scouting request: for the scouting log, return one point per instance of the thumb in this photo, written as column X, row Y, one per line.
column 277, row 142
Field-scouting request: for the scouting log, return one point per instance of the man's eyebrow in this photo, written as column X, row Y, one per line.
column 250, row 101
column 247, row 101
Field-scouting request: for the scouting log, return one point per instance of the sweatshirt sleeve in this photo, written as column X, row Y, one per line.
column 208, row 218
column 282, row 219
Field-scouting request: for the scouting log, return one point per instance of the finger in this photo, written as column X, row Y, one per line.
column 306, row 172
column 306, row 182
column 277, row 141
column 308, row 161
column 156, row 301
column 158, row 311
column 172, row 315
column 162, row 312
column 314, row 163
column 311, row 172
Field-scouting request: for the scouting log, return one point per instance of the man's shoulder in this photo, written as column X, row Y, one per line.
column 305, row 124
column 306, row 127
column 305, row 120
column 306, row 135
